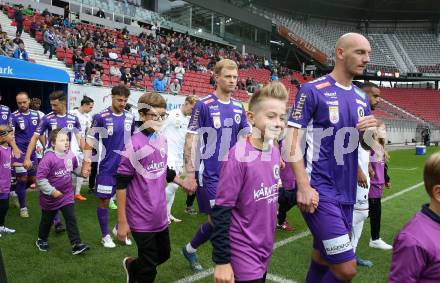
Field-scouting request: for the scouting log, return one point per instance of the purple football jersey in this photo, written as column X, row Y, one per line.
column 24, row 125
column 146, row 161
column 5, row 115
column 117, row 127
column 325, row 105
column 251, row 190
column 52, row 121
column 219, row 123
column 378, row 180
column 286, row 174
column 57, row 169
column 5, row 169
column 416, row 250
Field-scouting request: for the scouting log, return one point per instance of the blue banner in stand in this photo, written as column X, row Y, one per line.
column 22, row 70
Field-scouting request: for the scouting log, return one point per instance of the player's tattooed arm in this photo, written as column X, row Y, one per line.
column 189, row 159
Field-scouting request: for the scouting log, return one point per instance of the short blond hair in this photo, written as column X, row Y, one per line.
column 275, row 90
column 191, row 99
column 431, row 172
column 224, row 64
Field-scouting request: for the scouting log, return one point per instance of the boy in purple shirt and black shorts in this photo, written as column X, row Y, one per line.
column 416, row 249
column 140, row 191
column 331, row 113
column 54, row 179
column 244, row 215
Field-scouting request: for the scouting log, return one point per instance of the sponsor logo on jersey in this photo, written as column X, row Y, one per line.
column 269, row 193
column 330, row 94
column 208, row 101
column 216, row 121
column 333, row 112
column 323, row 85
column 318, row 80
column 361, row 102
column 333, row 102
column 213, row 107
column 337, row 245
column 105, row 114
column 297, row 111
column 238, row 111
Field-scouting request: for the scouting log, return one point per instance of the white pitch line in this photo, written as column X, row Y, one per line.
column 404, row 169
column 278, row 279
column 206, row 273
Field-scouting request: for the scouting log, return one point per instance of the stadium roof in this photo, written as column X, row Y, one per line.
column 400, row 10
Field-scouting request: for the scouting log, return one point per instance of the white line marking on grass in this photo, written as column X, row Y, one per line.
column 208, row 272
column 390, row 197
column 278, row 279
column 196, row 277
column 404, row 169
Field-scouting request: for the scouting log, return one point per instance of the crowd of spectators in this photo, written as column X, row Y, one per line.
column 164, row 55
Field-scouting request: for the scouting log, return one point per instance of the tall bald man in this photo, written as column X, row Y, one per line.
column 331, row 113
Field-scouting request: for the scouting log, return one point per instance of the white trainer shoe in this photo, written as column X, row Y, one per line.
column 6, row 230
column 127, row 240
column 380, row 244
column 24, row 213
column 107, row 242
column 174, row 219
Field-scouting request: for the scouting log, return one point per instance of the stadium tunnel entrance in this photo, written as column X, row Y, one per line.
column 37, row 80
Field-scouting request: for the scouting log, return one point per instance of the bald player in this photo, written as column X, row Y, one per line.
column 331, row 113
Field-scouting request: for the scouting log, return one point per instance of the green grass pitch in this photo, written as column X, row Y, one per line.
column 25, row 264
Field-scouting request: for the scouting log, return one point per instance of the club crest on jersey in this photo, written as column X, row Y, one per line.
column 69, row 164
column 333, row 112
column 216, row 121
column 4, row 116
column 360, row 111
column 276, row 171
column 237, row 118
column 34, row 122
column 54, row 126
column 110, row 130
column 22, row 125
column 162, row 152
column 127, row 126
column 70, row 126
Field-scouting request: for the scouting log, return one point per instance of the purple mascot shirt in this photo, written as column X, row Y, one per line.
column 250, row 188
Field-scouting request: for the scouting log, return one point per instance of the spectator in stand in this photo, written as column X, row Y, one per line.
column 180, row 72
column 125, row 50
column 175, row 87
column 49, row 41
column 17, row 40
column 72, row 41
column 18, row 17
column 66, row 12
column 81, row 76
column 126, row 76
column 9, row 47
column 57, row 21
column 92, row 66
column 114, row 71
column 241, row 84
column 88, row 49
column 136, row 73
column 98, row 53
column 100, row 14
column 21, row 53
column 274, row 76
column 28, row 11
column 96, row 79
column 160, row 84
column 78, row 60
column 34, row 27
column 45, row 13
